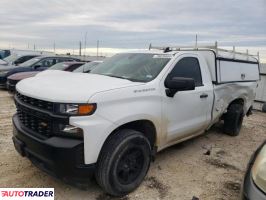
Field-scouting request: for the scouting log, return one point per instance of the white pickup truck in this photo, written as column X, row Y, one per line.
column 111, row 123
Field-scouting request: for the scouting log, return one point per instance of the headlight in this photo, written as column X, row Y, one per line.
column 77, row 109
column 3, row 72
column 259, row 170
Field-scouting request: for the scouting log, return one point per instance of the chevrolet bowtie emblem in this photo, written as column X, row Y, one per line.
column 43, row 124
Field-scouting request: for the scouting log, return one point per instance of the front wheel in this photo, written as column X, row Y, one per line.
column 123, row 162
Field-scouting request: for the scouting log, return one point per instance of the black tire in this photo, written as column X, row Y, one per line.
column 264, row 107
column 233, row 119
column 123, row 162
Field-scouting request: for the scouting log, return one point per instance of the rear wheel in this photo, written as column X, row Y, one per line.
column 233, row 119
column 123, row 162
column 264, row 107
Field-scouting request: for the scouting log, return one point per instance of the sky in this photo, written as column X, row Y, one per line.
column 131, row 24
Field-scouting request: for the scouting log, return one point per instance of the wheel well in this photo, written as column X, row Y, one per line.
column 144, row 126
column 237, row 101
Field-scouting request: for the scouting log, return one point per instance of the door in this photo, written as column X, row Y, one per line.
column 44, row 64
column 188, row 112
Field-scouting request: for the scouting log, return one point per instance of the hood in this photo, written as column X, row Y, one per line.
column 2, row 62
column 68, row 87
column 7, row 67
column 22, row 75
column 17, row 69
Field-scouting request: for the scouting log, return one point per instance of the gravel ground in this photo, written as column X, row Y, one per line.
column 208, row 167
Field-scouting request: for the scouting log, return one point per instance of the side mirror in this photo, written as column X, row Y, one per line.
column 175, row 84
column 37, row 66
column 16, row 63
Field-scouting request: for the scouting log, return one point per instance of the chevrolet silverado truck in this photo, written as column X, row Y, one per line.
column 111, row 122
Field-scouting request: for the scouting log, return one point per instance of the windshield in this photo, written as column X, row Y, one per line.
column 11, row 58
column 86, row 67
column 138, row 67
column 30, row 62
column 59, row 66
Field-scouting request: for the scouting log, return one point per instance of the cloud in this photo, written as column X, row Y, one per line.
column 131, row 23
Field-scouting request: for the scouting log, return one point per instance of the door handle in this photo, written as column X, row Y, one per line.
column 203, row 95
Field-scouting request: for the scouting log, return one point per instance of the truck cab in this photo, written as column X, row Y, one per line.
column 111, row 122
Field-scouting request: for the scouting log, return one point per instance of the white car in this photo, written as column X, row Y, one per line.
column 112, row 121
column 254, row 185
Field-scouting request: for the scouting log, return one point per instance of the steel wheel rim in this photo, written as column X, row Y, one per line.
column 130, row 166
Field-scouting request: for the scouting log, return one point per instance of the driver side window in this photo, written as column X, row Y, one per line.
column 46, row 62
column 188, row 67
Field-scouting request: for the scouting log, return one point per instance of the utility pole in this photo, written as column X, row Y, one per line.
column 196, row 43
column 79, row 48
column 150, row 46
column 34, row 47
column 97, row 48
column 54, row 46
column 85, row 43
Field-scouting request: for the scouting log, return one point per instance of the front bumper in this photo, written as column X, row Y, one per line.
column 60, row 157
column 2, row 82
column 250, row 190
column 11, row 86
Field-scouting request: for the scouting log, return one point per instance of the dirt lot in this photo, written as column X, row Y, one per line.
column 180, row 172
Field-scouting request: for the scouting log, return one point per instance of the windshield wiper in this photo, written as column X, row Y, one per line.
column 121, row 77
column 115, row 76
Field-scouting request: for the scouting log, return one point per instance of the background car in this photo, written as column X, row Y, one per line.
column 15, row 78
column 4, row 53
column 17, row 59
column 86, row 68
column 67, row 66
column 35, row 64
column 254, row 185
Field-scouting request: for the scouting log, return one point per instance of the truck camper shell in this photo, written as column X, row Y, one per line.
column 225, row 66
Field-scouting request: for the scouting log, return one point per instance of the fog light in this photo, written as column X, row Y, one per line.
column 71, row 131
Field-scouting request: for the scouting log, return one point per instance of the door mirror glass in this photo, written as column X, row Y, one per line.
column 175, row 84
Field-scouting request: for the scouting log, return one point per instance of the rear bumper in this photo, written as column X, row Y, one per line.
column 60, row 157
